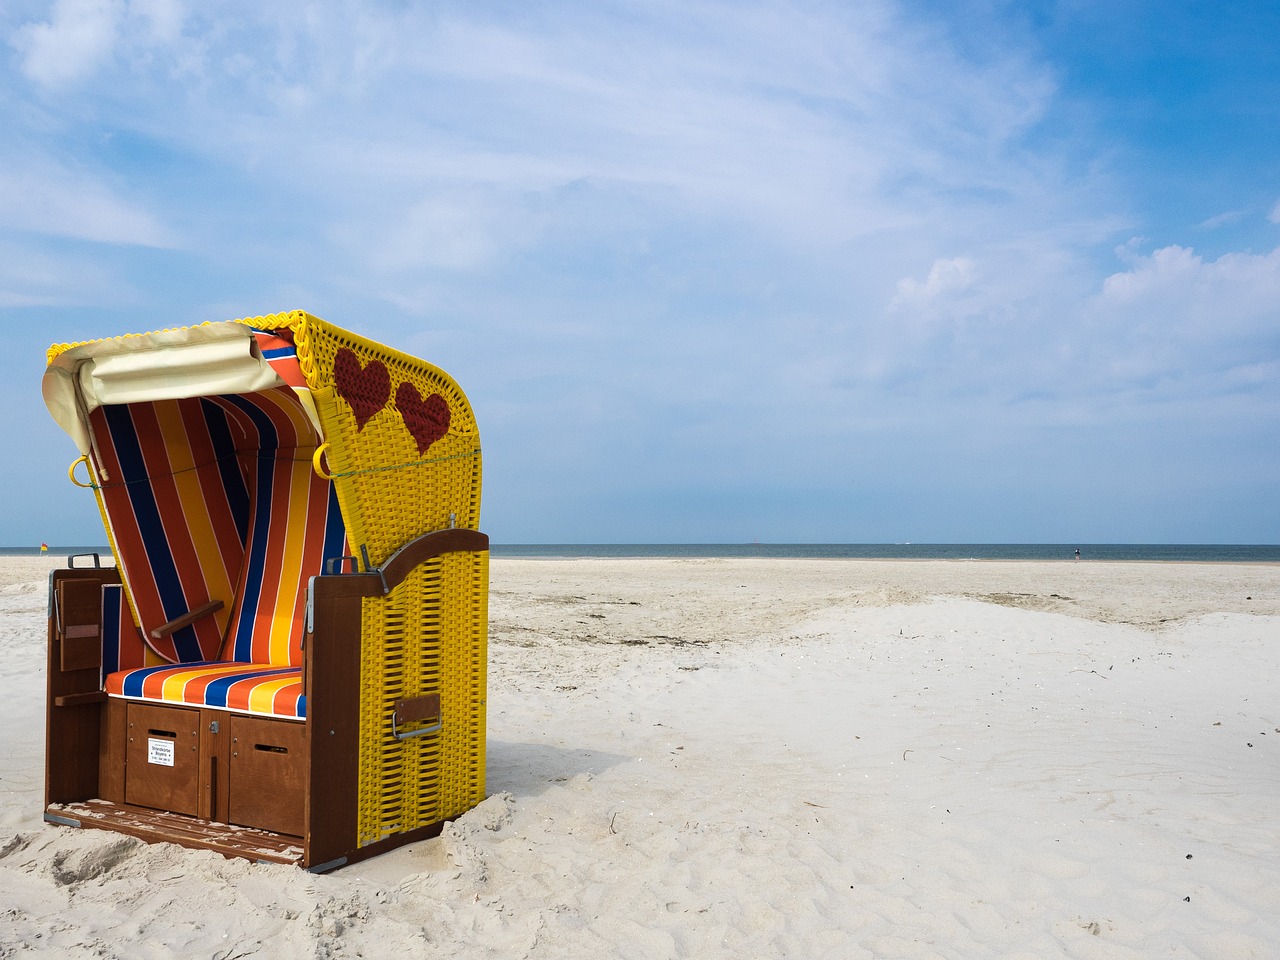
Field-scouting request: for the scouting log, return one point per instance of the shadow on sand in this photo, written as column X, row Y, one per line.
column 528, row 769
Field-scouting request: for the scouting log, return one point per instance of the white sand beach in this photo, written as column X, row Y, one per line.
column 764, row 758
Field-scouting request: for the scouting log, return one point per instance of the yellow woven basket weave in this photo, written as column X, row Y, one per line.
column 401, row 469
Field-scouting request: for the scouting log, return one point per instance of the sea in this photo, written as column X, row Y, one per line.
column 1168, row 552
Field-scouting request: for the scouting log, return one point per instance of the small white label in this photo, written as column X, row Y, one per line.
column 160, row 751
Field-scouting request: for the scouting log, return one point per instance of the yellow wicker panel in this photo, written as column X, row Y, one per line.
column 391, row 487
column 429, row 635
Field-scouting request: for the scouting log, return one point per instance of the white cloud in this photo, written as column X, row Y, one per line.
column 1274, row 215
column 164, row 18
column 945, row 277
column 1223, row 219
column 77, row 40
column 458, row 233
column 32, row 277
column 44, row 197
column 1178, row 318
column 825, row 124
column 1235, row 284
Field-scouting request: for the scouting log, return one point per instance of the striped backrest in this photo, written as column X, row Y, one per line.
column 178, row 508
column 294, row 527
column 215, row 498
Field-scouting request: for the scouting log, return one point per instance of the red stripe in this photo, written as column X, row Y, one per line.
column 224, row 526
column 124, row 524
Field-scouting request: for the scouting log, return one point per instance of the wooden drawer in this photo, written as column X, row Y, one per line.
column 162, row 757
column 268, row 774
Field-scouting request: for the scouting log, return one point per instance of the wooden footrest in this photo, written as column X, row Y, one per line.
column 155, row 826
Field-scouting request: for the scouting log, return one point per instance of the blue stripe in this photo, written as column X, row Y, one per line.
column 216, row 693
column 111, row 596
column 224, row 448
column 256, row 549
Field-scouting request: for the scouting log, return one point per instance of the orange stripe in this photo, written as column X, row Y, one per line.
column 213, row 495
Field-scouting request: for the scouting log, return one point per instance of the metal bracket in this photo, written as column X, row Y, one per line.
column 97, row 560
column 334, row 565
column 417, row 709
column 311, row 609
column 328, row 865
column 435, row 728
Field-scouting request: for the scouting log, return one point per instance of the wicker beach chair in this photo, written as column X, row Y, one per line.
column 288, row 660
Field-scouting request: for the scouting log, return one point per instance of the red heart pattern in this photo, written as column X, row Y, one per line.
column 427, row 420
column 366, row 389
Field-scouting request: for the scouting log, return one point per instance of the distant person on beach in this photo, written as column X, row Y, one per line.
column 1077, row 553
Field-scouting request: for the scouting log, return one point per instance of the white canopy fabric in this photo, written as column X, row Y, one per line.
column 211, row 359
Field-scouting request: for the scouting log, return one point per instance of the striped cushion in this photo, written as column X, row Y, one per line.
column 242, row 687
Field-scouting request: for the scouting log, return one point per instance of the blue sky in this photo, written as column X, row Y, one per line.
column 732, row 271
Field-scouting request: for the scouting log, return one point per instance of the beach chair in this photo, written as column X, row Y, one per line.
column 288, row 660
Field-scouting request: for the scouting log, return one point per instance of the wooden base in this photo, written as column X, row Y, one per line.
column 261, row 846
column 156, row 826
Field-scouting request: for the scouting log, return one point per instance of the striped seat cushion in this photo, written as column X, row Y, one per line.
column 243, row 687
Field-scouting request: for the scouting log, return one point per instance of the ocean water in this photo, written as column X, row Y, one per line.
column 1212, row 553
column 1174, row 552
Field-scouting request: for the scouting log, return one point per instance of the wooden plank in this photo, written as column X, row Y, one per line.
column 268, row 774
column 215, row 758
column 80, row 699
column 416, row 709
column 112, row 750
column 156, row 826
column 162, row 766
column 72, row 730
column 333, row 708
column 82, row 643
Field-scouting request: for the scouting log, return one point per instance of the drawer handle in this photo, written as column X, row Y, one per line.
column 415, row 710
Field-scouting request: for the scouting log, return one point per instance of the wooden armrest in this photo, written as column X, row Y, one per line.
column 213, row 606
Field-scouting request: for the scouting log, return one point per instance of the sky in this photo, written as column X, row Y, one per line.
column 865, row 271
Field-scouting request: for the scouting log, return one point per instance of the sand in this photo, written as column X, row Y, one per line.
column 765, row 758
